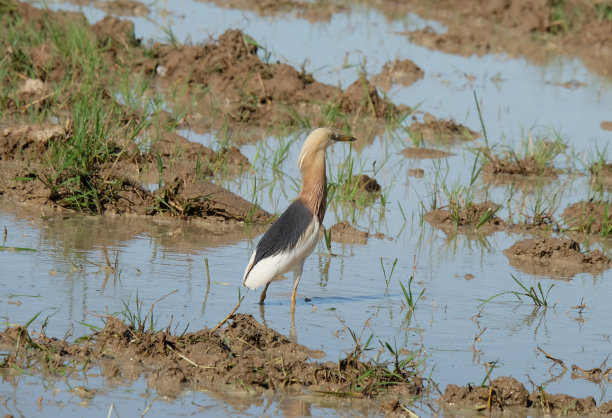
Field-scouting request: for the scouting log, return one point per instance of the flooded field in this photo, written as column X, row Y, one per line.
column 482, row 257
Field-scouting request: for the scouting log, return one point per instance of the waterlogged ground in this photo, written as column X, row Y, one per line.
column 65, row 272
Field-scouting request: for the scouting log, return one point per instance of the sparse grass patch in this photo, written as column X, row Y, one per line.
column 537, row 295
column 535, row 157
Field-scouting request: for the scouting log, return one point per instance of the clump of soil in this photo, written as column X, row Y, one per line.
column 242, row 353
column 527, row 166
column 187, row 196
column 361, row 97
column 422, row 153
column 256, row 92
column 440, row 130
column 468, row 218
column 123, row 7
column 28, row 141
column 508, row 394
column 345, row 233
column 555, row 257
column 601, row 174
column 313, row 12
column 366, row 183
column 594, row 217
column 416, row 172
column 402, row 72
column 504, row 392
column 116, row 191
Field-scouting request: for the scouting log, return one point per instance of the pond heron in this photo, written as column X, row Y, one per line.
column 294, row 235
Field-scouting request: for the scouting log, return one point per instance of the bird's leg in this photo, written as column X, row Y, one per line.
column 263, row 294
column 292, row 333
column 297, row 275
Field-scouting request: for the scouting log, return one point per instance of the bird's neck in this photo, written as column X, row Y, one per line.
column 314, row 189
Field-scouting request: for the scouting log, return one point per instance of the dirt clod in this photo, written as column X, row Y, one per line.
column 444, row 131
column 525, row 167
column 345, row 233
column 366, row 183
column 242, row 353
column 506, row 392
column 555, row 257
column 422, row 153
column 402, row 72
column 452, row 218
column 594, row 217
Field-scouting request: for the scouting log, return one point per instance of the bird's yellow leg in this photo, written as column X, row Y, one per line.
column 297, row 275
column 263, row 294
column 293, row 300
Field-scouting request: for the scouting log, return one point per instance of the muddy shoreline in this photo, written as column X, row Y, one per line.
column 245, row 355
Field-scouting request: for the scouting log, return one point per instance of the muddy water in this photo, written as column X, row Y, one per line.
column 68, row 279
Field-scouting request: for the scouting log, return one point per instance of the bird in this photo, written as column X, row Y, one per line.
column 293, row 236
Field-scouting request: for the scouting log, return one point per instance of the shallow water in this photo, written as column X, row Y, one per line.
column 67, row 278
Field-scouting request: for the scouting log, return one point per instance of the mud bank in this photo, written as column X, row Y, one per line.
column 556, row 257
column 537, row 30
column 245, row 355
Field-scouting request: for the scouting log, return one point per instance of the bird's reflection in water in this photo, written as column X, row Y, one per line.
column 295, row 407
column 292, row 332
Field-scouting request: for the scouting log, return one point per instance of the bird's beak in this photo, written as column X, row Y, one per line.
column 340, row 137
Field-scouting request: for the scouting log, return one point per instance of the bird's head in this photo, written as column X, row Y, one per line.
column 317, row 142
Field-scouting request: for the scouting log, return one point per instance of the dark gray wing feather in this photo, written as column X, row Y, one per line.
column 285, row 233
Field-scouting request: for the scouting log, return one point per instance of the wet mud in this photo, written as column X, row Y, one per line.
column 593, row 217
column 555, row 257
column 242, row 354
column 440, row 131
column 241, row 91
column 476, row 217
column 118, row 190
column 247, row 356
column 509, row 395
column 509, row 167
column 345, row 233
column 424, row 153
column 399, row 72
column 538, row 30
column 319, row 12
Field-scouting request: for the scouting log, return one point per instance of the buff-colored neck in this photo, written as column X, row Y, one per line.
column 314, row 186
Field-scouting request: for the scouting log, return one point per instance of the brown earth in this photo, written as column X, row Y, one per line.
column 527, row 166
column 594, row 217
column 185, row 193
column 422, row 153
column 243, row 354
column 241, row 89
column 313, row 12
column 416, row 172
column 558, row 257
column 366, row 183
column 466, row 218
column 440, row 131
column 123, row 7
column 402, row 72
column 508, row 394
column 538, row 30
column 601, row 175
column 345, row 233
